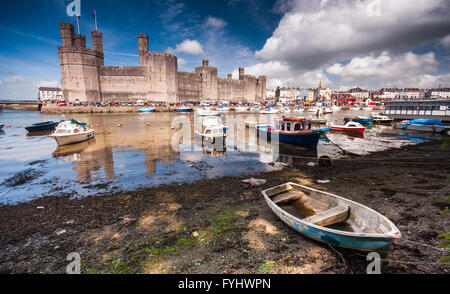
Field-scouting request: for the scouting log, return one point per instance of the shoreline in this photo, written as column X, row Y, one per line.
column 221, row 226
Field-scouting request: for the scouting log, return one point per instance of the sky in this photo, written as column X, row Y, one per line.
column 297, row 43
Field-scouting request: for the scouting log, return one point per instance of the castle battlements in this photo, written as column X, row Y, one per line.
column 84, row 76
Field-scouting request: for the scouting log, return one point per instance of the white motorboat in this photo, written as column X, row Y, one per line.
column 299, row 109
column 212, row 132
column 285, row 110
column 241, row 109
column 70, row 132
column 269, row 110
column 223, row 108
column 208, row 112
column 328, row 110
column 378, row 118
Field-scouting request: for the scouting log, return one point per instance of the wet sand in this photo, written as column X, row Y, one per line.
column 221, row 226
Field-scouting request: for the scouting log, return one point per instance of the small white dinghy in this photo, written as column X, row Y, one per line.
column 331, row 219
column 70, row 132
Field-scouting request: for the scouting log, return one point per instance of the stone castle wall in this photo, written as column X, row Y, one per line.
column 157, row 79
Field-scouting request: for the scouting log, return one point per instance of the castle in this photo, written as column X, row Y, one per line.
column 84, row 76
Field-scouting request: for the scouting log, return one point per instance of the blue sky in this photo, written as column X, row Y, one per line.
column 294, row 42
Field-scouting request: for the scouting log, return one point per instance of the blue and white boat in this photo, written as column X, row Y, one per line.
column 331, row 219
column 183, row 109
column 424, row 125
column 41, row 127
column 294, row 131
column 146, row 110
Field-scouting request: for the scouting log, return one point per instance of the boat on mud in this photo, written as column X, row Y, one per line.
column 70, row 132
column 294, row 131
column 381, row 119
column 364, row 120
column 212, row 132
column 328, row 110
column 41, row 127
column 349, row 127
column 423, row 125
column 331, row 219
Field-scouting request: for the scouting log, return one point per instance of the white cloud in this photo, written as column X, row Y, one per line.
column 188, row 46
column 19, row 88
column 313, row 34
column 214, row 22
column 385, row 66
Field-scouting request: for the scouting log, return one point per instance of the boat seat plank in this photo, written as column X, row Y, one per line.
column 288, row 196
column 329, row 217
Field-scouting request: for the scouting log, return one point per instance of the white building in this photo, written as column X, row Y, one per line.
column 270, row 94
column 390, row 93
column 47, row 94
column 441, row 93
column 359, row 93
column 412, row 93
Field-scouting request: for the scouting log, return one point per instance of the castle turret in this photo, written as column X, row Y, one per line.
column 143, row 46
column 67, row 34
column 230, row 76
column 205, row 63
column 241, row 73
column 97, row 41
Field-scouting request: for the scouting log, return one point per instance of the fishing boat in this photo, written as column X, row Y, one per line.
column 424, row 125
column 183, row 109
column 212, row 133
column 331, row 219
column 364, row 120
column 70, row 132
column 381, row 119
column 269, row 110
column 146, row 110
column 208, row 112
column 41, row 127
column 350, row 127
column 294, row 131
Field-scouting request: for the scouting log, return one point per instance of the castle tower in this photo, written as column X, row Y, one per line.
column 241, row 73
column 67, row 34
column 143, row 46
column 205, row 63
column 97, row 41
column 79, row 66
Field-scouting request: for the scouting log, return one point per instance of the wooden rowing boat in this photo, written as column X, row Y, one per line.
column 331, row 219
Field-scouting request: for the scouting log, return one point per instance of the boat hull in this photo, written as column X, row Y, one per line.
column 305, row 140
column 423, row 128
column 182, row 110
column 359, row 130
column 42, row 127
column 146, row 110
column 73, row 138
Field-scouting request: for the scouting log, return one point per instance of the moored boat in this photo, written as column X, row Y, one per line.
column 328, row 110
column 269, row 110
column 331, row 219
column 319, row 121
column 70, row 132
column 295, row 131
column 241, row 109
column 183, row 109
column 213, row 133
column 381, row 119
column 350, row 126
column 424, row 125
column 208, row 112
column 365, row 120
column 146, row 110
column 41, row 127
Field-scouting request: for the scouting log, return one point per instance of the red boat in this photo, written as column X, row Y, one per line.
column 351, row 126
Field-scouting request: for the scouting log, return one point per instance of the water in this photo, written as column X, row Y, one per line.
column 140, row 154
